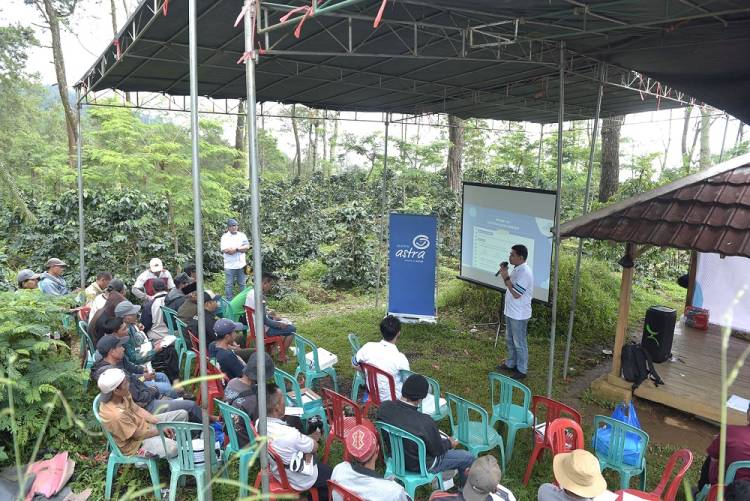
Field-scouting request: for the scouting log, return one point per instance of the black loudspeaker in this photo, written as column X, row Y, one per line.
column 658, row 332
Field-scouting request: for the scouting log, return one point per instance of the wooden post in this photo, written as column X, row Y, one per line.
column 691, row 278
column 623, row 312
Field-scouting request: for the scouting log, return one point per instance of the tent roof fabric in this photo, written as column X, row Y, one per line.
column 472, row 58
column 706, row 212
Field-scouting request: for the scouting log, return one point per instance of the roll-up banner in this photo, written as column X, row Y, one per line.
column 412, row 258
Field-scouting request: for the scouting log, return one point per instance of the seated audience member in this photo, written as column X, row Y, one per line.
column 103, row 278
column 27, row 280
column 739, row 490
column 404, row 413
column 289, row 442
column 210, row 305
column 359, row 476
column 272, row 323
column 578, row 477
column 191, row 271
column 52, row 281
column 385, row 356
column 237, row 304
column 737, row 449
column 131, row 426
column 116, row 285
column 242, row 393
column 143, row 287
column 189, row 307
column 482, row 484
column 176, row 296
column 98, row 319
column 152, row 318
column 223, row 349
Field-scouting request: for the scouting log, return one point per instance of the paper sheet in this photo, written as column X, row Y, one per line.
column 738, row 403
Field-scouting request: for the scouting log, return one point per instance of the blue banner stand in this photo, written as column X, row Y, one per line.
column 412, row 265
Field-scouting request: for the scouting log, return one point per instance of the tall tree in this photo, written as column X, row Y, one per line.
column 239, row 135
column 295, row 130
column 686, row 154
column 334, row 139
column 455, row 152
column 704, row 155
column 610, row 178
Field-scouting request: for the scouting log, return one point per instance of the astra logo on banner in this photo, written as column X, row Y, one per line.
column 415, row 252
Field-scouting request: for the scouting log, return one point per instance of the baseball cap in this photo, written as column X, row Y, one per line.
column 109, row 342
column 251, row 368
column 484, row 477
column 361, row 443
column 232, row 222
column 26, row 274
column 126, row 308
column 108, row 382
column 155, row 265
column 224, row 326
column 55, row 262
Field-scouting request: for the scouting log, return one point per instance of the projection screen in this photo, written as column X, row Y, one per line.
column 494, row 218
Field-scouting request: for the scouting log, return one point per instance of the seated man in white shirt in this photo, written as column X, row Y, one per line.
column 288, row 442
column 385, row 356
column 358, row 476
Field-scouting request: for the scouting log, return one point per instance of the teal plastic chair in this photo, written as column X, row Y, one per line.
column 247, row 454
column 116, row 457
column 184, row 462
column 395, row 464
column 516, row 416
column 183, row 349
column 359, row 377
column 439, row 410
column 476, row 436
column 313, row 373
column 225, row 308
column 614, row 457
column 170, row 316
column 728, row 478
column 87, row 345
column 287, row 383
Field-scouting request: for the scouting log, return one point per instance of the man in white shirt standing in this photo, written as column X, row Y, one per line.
column 519, row 291
column 234, row 245
column 385, row 356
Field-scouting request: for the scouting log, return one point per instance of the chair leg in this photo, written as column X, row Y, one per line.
column 111, row 469
column 173, row 486
column 510, row 441
column 624, row 479
column 200, row 486
column 244, row 465
column 532, row 461
column 643, row 478
column 153, row 470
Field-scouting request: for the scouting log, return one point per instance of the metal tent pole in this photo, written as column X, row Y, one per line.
column 384, row 207
column 252, row 7
column 560, row 118
column 208, row 447
column 576, row 277
column 79, row 169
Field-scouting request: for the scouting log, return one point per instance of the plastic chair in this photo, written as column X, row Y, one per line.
column 395, row 464
column 83, row 312
column 309, row 409
column 281, row 484
column 359, row 378
column 565, row 435
column 116, row 457
column 215, row 386
column 341, row 491
column 374, row 376
column 551, row 410
column 516, row 417
column 614, row 456
column 225, row 308
column 710, row 492
column 245, row 454
column 277, row 341
column 315, row 372
column 183, row 336
column 170, row 316
column 670, row 493
column 434, row 403
column 184, row 462
column 87, row 347
column 476, row 436
column 339, row 422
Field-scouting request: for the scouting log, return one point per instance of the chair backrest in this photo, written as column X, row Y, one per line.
column 565, row 435
column 543, row 407
column 211, row 370
column 729, row 478
column 183, row 435
column 669, row 493
column 396, row 438
column 281, row 378
column 250, row 314
column 354, row 343
column 232, row 416
column 335, row 405
column 113, row 448
column 283, row 480
column 343, row 494
column 463, row 409
column 226, row 308
column 83, row 331
column 503, row 390
column 169, row 318
column 305, row 346
column 83, row 312
column 619, row 432
column 374, row 378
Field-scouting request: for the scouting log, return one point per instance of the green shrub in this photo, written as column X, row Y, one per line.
column 352, row 262
column 294, row 302
column 312, row 271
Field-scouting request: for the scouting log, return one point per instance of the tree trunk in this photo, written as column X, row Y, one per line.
column 704, row 155
column 113, row 12
column 455, row 152
column 125, row 6
column 668, row 144
column 295, row 130
column 739, row 138
column 239, row 135
column 610, row 178
column 324, row 142
column 683, row 144
column 334, row 139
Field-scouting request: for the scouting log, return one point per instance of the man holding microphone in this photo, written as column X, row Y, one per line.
column 519, row 290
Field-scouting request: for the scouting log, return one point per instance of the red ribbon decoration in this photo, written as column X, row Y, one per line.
column 118, row 50
column 165, row 7
column 379, row 17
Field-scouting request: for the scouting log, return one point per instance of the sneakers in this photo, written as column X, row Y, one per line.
column 504, row 368
column 517, row 375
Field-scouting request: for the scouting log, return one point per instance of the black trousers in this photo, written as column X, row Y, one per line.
column 321, row 483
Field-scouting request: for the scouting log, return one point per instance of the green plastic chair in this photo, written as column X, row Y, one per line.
column 309, row 409
column 87, row 349
column 614, row 457
column 116, row 457
column 476, row 436
column 315, row 372
column 439, row 409
column 515, row 416
column 728, row 478
column 170, row 316
column 184, row 462
column 183, row 350
column 225, row 308
column 359, row 377
column 395, row 464
column 245, row 454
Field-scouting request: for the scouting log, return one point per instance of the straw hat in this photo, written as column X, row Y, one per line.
column 579, row 472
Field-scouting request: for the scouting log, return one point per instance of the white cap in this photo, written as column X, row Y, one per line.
column 155, row 265
column 108, row 382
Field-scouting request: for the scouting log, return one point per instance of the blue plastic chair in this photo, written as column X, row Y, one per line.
column 439, row 411
column 395, row 464
column 614, row 455
column 183, row 350
column 116, row 457
column 476, row 436
column 309, row 409
column 313, row 373
column 359, row 378
column 516, row 416
column 728, row 478
column 245, row 454
column 184, row 462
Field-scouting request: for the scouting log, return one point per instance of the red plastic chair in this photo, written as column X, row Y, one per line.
column 565, row 435
column 345, row 494
column 215, row 386
column 646, row 496
column 670, row 493
column 552, row 409
column 339, row 422
column 372, row 376
column 280, row 485
column 83, row 313
column 277, row 341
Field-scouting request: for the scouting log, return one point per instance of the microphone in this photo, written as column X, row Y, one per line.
column 504, row 264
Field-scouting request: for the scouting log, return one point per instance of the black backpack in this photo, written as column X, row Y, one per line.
column 637, row 366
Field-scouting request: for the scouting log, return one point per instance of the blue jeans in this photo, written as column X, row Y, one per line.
column 231, row 276
column 161, row 383
column 454, row 459
column 515, row 340
column 275, row 329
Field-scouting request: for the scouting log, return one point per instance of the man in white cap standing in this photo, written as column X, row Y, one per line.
column 143, row 288
column 52, row 280
column 578, row 477
column 234, row 245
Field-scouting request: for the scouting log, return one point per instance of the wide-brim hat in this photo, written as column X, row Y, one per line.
column 579, row 472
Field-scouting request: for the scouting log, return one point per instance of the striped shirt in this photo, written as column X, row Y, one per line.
column 523, row 284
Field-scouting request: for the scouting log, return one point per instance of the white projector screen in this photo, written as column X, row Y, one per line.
column 497, row 217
